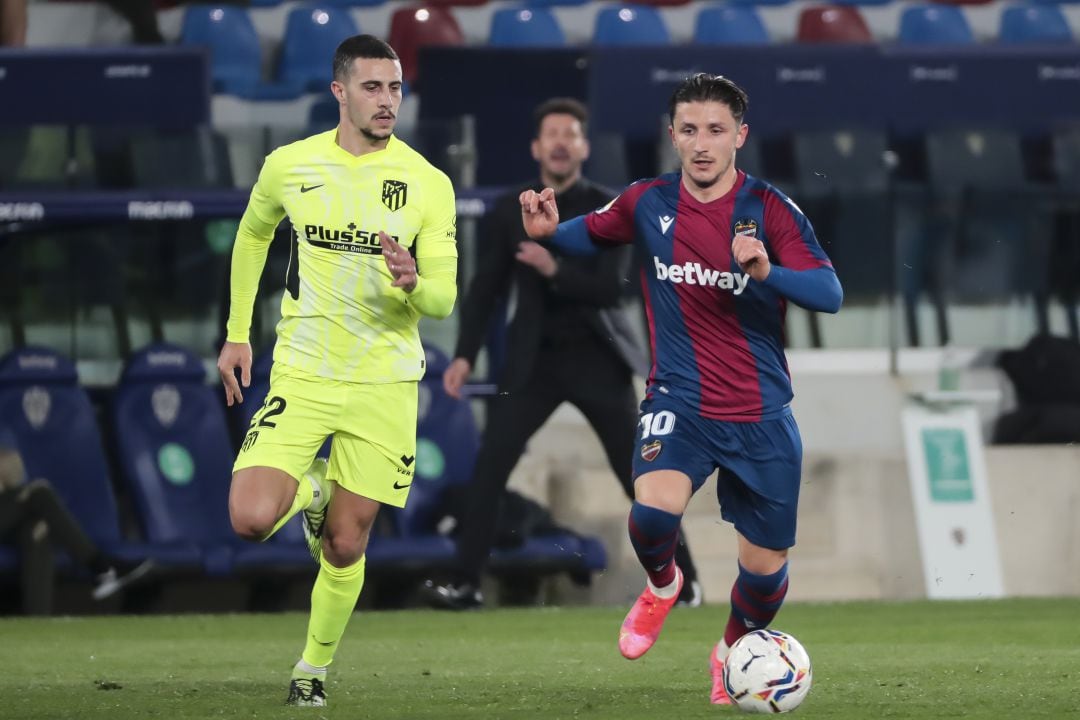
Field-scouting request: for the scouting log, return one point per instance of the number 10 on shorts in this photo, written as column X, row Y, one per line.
column 660, row 423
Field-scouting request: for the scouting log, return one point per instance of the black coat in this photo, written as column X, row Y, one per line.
column 584, row 296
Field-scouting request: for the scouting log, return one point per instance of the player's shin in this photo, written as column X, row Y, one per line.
column 333, row 600
column 755, row 600
column 654, row 534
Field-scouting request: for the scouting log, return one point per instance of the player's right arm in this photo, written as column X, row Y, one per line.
column 260, row 220
column 613, row 224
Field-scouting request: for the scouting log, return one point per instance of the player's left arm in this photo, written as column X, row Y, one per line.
column 436, row 250
column 802, row 271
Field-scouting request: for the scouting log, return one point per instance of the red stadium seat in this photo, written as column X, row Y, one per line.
column 659, row 3
column 832, row 24
column 418, row 26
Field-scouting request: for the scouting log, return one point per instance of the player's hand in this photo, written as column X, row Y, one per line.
column 455, row 375
column 750, row 253
column 234, row 355
column 537, row 256
column 400, row 262
column 539, row 214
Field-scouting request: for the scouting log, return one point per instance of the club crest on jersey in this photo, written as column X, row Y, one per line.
column 394, row 194
column 746, row 226
column 651, row 451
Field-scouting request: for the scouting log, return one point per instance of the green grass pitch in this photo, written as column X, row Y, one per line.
column 990, row 659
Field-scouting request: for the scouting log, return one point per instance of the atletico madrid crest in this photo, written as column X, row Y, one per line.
column 394, row 194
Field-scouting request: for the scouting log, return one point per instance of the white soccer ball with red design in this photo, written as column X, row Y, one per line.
column 767, row 671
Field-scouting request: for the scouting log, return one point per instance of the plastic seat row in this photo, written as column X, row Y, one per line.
column 313, row 31
column 172, row 440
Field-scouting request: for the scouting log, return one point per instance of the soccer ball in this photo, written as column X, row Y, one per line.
column 767, row 671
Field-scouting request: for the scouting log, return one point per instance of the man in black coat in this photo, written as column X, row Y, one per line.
column 568, row 341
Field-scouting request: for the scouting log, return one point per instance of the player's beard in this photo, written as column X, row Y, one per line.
column 374, row 136
column 709, row 182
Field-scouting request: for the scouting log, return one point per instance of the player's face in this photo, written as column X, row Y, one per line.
column 561, row 147
column 706, row 136
column 371, row 96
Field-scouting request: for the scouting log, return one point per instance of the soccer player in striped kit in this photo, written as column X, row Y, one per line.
column 723, row 253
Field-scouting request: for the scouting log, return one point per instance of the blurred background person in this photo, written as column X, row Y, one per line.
column 568, row 341
column 37, row 517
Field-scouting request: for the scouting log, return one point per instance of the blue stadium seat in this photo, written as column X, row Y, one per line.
column 525, row 27
column 47, row 417
column 446, row 445
column 729, row 25
column 312, row 33
column 1034, row 24
column 934, row 25
column 235, row 57
column 174, row 451
column 630, row 25
column 758, row 2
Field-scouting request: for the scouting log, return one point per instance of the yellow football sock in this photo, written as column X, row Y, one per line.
column 304, row 494
column 333, row 600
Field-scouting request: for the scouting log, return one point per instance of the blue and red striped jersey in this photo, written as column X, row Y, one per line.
column 717, row 337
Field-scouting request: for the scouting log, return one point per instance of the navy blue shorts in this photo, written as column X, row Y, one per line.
column 760, row 465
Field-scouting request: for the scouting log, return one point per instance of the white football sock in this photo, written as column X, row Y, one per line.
column 666, row 593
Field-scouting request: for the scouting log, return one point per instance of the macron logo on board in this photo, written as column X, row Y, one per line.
column 693, row 273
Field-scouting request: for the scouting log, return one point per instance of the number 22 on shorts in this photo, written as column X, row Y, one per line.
column 272, row 406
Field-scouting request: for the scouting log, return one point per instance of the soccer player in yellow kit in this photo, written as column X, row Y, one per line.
column 374, row 248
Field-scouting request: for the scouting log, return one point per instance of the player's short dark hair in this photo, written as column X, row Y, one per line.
column 703, row 87
column 368, row 47
column 559, row 106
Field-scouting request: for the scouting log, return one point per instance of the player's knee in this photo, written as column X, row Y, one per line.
column 344, row 549
column 252, row 523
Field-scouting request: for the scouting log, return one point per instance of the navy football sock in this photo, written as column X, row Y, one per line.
column 654, row 533
column 755, row 600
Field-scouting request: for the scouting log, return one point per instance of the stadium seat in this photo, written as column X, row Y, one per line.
column 555, row 3
column 446, row 446
column 41, row 158
column 174, row 451
column 630, row 25
column 1066, row 147
column 48, row 418
column 1040, row 24
column 235, row 57
column 832, row 24
column 1066, row 144
column 525, row 27
column 862, row 2
column 414, row 27
column 758, row 2
column 312, row 33
column 843, row 184
column 729, row 25
column 982, row 226
column 934, row 25
column 196, row 158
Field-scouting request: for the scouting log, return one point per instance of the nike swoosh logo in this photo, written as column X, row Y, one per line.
column 324, row 644
column 398, row 486
column 304, row 188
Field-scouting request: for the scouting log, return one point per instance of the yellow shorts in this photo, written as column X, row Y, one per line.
column 373, row 425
